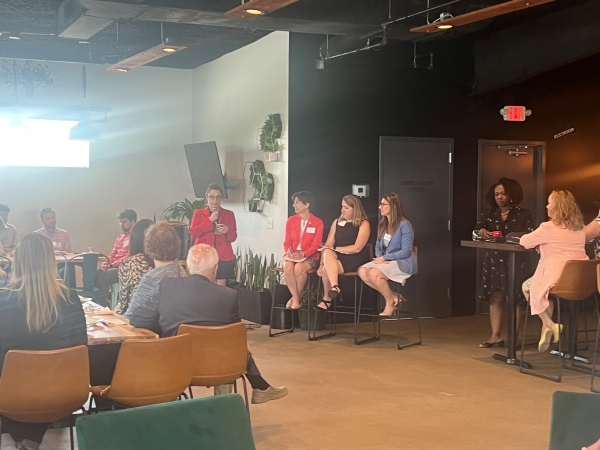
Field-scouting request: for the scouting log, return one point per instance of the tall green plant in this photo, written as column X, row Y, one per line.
column 255, row 274
column 185, row 209
column 270, row 132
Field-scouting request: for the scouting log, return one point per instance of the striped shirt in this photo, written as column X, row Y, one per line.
column 60, row 239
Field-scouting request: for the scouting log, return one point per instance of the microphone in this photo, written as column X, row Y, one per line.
column 215, row 209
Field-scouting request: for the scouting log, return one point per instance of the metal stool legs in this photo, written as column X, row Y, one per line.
column 413, row 315
column 358, row 313
column 273, row 307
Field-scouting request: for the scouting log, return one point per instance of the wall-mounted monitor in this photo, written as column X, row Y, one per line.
column 205, row 167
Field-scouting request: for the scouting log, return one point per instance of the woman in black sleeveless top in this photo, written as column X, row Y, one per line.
column 345, row 249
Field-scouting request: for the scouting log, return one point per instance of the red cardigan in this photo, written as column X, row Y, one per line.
column 311, row 239
column 204, row 231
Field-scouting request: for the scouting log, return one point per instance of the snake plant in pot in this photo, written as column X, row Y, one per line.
column 255, row 277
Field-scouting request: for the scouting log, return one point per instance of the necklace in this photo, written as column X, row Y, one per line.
column 505, row 213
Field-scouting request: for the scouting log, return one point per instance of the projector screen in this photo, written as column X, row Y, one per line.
column 41, row 143
column 205, row 167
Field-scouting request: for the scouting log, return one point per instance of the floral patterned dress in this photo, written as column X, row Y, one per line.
column 494, row 269
column 131, row 272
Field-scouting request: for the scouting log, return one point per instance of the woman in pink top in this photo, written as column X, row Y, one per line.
column 559, row 240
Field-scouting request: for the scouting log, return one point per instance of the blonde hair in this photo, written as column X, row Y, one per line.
column 565, row 211
column 201, row 258
column 34, row 275
column 397, row 215
column 358, row 212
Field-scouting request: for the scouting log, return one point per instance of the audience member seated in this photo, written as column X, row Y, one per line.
column 303, row 237
column 559, row 240
column 59, row 237
column 504, row 215
column 394, row 257
column 8, row 233
column 109, row 274
column 37, row 312
column 198, row 300
column 215, row 226
column 162, row 245
column 132, row 269
column 344, row 250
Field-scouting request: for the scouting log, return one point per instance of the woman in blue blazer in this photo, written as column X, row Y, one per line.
column 394, row 259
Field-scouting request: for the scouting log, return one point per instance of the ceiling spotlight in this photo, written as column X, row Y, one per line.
column 14, row 37
column 255, row 12
column 121, row 69
column 444, row 16
column 319, row 64
column 444, row 27
column 169, row 50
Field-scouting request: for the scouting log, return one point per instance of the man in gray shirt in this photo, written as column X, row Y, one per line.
column 8, row 233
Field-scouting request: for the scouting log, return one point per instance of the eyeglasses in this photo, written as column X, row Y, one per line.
column 384, row 204
column 215, row 197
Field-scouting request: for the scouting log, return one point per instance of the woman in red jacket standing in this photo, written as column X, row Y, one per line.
column 303, row 237
column 215, row 226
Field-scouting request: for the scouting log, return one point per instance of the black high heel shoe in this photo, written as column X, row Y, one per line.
column 328, row 304
column 492, row 344
column 333, row 292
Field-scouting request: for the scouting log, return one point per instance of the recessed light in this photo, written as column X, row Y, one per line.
column 121, row 69
column 255, row 12
column 444, row 27
column 169, row 50
column 84, row 42
column 14, row 37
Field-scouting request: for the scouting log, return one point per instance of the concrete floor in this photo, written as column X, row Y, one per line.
column 445, row 394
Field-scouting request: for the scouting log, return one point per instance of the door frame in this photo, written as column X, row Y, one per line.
column 450, row 142
column 539, row 159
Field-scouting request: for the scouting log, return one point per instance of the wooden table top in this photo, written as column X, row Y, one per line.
column 496, row 246
column 60, row 257
column 107, row 327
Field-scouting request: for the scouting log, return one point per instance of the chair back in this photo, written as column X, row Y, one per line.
column 370, row 251
column 574, row 420
column 215, row 423
column 219, row 354
column 44, row 386
column 151, row 371
column 577, row 281
column 89, row 267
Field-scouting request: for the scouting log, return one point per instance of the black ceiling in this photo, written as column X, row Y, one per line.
column 185, row 23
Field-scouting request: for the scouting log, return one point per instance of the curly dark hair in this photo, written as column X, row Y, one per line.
column 162, row 242
column 512, row 188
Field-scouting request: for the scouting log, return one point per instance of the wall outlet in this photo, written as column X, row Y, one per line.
column 270, row 224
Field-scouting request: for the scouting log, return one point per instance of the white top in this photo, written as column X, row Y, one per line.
column 303, row 224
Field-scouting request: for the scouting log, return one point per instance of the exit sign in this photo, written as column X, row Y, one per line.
column 515, row 113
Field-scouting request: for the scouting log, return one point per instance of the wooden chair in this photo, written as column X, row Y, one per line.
column 219, row 355
column 578, row 281
column 149, row 371
column 44, row 386
column 282, row 307
column 592, row 387
column 401, row 313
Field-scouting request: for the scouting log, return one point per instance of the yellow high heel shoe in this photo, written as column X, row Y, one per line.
column 556, row 332
column 545, row 340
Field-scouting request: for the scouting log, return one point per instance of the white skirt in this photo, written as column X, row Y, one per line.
column 391, row 270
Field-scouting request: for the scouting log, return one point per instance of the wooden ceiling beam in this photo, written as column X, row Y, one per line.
column 266, row 6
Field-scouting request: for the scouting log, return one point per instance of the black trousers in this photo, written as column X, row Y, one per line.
column 20, row 431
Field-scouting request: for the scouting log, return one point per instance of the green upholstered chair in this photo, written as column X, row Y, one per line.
column 575, row 420
column 210, row 423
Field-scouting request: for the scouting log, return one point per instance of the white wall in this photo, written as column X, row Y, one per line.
column 231, row 98
column 139, row 163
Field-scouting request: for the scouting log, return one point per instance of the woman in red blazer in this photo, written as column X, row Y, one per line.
column 215, row 226
column 303, row 237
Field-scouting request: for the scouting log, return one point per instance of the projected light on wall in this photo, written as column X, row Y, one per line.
column 41, row 143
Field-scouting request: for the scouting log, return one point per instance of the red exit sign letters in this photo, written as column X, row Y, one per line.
column 515, row 113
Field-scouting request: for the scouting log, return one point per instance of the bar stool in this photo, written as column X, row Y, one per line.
column 412, row 313
column 333, row 310
column 577, row 282
column 282, row 307
column 592, row 387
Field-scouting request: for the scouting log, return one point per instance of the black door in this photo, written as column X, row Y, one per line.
column 420, row 171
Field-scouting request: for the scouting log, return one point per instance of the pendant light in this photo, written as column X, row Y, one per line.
column 84, row 130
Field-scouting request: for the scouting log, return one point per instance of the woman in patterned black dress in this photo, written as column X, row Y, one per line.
column 504, row 215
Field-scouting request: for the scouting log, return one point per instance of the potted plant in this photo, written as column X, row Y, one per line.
column 303, row 312
column 183, row 210
column 254, row 298
column 269, row 137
